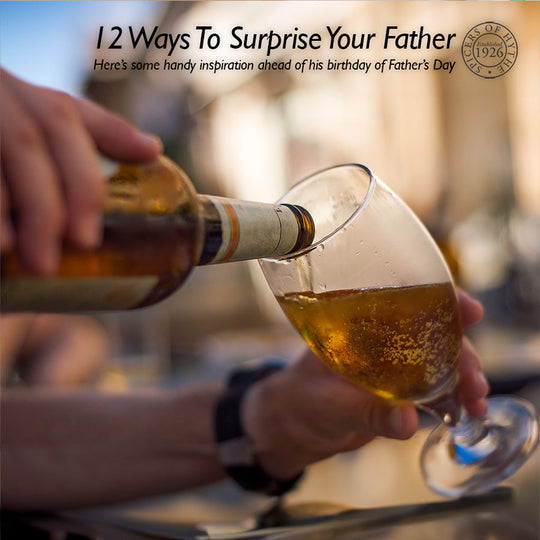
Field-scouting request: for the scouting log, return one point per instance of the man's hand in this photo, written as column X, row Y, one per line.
column 307, row 412
column 52, row 185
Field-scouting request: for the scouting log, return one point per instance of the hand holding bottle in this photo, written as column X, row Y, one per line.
column 54, row 195
column 52, row 185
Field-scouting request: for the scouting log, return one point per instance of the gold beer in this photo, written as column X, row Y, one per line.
column 402, row 343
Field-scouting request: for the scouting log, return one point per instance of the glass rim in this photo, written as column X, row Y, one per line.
column 357, row 210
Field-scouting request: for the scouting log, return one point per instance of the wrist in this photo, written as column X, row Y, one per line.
column 268, row 425
column 246, row 457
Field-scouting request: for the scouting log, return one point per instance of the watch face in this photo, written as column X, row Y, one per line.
column 237, row 452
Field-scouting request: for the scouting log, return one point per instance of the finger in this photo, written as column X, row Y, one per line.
column 473, row 382
column 117, row 137
column 473, row 385
column 7, row 232
column 357, row 411
column 361, row 412
column 476, row 407
column 34, row 195
column 76, row 159
column 381, row 418
column 472, row 311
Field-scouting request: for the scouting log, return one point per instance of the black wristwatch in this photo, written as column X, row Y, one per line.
column 234, row 445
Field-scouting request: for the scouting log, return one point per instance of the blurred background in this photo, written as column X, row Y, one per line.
column 461, row 150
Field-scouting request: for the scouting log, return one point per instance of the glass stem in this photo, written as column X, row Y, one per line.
column 473, row 438
column 447, row 407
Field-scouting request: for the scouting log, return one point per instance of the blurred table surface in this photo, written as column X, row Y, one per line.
column 375, row 492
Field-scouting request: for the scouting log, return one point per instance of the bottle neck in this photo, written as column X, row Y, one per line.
column 239, row 230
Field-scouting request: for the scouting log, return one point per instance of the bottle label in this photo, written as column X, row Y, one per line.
column 76, row 294
column 238, row 230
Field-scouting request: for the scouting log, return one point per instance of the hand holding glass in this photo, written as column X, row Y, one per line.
column 374, row 299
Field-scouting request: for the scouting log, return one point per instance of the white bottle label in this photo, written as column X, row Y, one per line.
column 252, row 230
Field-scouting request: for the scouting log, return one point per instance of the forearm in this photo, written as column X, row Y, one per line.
column 74, row 449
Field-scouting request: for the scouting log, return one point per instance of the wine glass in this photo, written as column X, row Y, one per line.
column 374, row 300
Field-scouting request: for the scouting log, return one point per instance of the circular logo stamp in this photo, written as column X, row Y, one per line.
column 489, row 50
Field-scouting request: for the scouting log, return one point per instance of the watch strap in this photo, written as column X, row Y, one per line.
column 235, row 448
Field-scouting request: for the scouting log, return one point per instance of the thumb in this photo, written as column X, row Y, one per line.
column 382, row 418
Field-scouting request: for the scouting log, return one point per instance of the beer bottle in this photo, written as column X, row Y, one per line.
column 156, row 229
